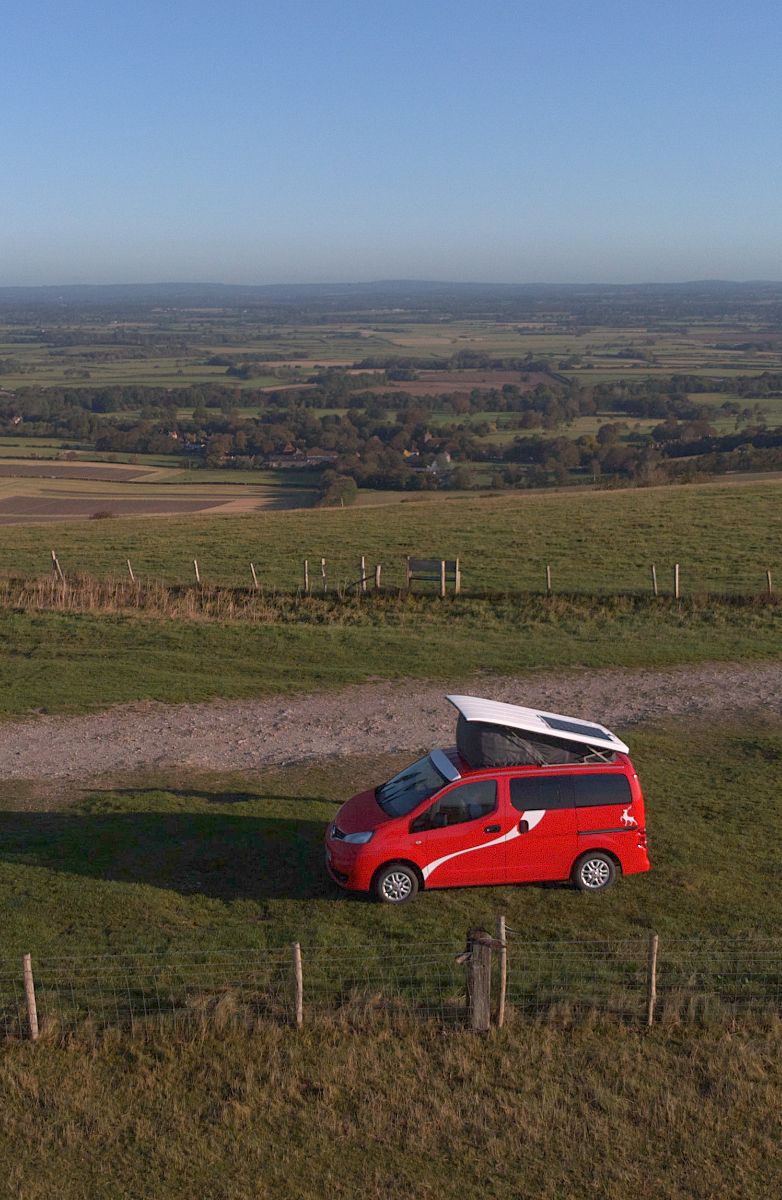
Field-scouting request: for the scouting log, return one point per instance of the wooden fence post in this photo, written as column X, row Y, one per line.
column 306, row 577
column 768, row 583
column 548, row 579
column 323, row 574
column 255, row 577
column 676, row 581
column 197, row 572
column 457, row 578
column 377, row 577
column 298, row 986
column 29, row 995
column 442, row 578
column 56, row 568
column 363, row 567
column 501, row 938
column 655, row 591
column 408, row 573
column 651, row 979
column 130, row 572
column 477, row 957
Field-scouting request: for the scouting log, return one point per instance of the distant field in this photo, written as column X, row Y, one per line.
column 115, row 472
column 724, row 536
column 341, row 343
column 43, row 492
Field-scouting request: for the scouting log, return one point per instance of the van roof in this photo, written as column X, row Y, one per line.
column 534, row 720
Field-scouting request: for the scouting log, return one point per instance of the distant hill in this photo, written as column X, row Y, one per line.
column 583, row 304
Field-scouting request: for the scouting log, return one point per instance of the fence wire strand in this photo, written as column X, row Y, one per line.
column 696, row 980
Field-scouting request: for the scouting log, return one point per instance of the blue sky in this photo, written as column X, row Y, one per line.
column 507, row 140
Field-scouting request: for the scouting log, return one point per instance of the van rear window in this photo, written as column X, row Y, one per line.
column 601, row 789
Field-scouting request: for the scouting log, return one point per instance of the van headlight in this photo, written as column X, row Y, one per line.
column 358, row 839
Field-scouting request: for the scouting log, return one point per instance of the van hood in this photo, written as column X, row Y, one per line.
column 360, row 813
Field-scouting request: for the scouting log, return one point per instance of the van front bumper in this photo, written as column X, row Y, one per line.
column 345, row 867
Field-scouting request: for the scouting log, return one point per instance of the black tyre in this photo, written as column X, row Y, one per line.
column 395, row 884
column 594, row 872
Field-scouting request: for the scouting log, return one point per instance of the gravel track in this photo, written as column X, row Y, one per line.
column 369, row 718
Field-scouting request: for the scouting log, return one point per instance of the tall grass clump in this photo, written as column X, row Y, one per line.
column 348, row 606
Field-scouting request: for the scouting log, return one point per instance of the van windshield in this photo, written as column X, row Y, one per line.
column 409, row 788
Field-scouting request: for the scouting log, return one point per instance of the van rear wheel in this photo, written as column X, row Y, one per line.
column 594, row 872
column 395, row 883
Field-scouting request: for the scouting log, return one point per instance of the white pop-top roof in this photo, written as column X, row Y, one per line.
column 534, row 720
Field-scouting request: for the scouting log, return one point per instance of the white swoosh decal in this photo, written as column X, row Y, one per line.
column 533, row 818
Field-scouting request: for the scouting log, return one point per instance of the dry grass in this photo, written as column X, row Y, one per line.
column 534, row 1112
column 342, row 605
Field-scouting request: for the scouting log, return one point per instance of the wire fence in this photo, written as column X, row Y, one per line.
column 693, row 978
column 691, row 981
column 261, row 591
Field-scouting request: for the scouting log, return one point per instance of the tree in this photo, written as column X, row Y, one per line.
column 336, row 489
column 461, row 477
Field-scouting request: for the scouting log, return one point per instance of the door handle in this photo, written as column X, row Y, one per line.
column 492, row 828
column 523, row 826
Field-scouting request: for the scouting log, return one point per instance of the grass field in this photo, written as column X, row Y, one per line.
column 536, row 1110
column 76, row 662
column 536, row 1114
column 233, row 865
column 725, row 537
column 180, row 865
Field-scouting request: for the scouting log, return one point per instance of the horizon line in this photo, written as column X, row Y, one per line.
column 394, row 281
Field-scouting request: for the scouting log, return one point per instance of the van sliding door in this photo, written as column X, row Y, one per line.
column 543, row 844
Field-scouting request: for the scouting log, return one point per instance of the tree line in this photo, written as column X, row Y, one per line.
column 396, row 439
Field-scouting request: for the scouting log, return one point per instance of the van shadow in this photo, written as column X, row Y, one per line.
column 219, row 855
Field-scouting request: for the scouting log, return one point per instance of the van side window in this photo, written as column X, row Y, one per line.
column 466, row 803
column 602, row 789
column 542, row 791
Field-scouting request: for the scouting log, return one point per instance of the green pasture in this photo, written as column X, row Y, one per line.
column 30, row 447
column 725, row 536
column 186, row 863
column 54, row 661
column 505, row 431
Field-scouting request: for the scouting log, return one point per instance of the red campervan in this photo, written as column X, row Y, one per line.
column 524, row 796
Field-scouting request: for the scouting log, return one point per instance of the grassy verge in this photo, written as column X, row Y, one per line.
column 59, row 661
column 725, row 538
column 534, row 1113
column 208, row 863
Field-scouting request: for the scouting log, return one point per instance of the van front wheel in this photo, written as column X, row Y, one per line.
column 594, row 872
column 395, row 883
